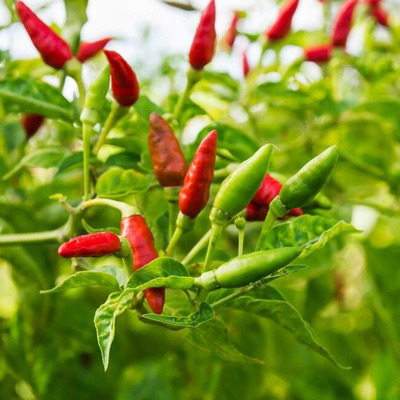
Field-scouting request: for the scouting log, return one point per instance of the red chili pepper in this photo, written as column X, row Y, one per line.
column 139, row 235
column 372, row 3
column 90, row 49
column 32, row 123
column 124, row 84
column 281, row 26
column 246, row 64
column 168, row 162
column 92, row 245
column 343, row 22
column 380, row 15
column 254, row 212
column 319, row 53
column 230, row 35
column 196, row 188
column 54, row 50
column 203, row 45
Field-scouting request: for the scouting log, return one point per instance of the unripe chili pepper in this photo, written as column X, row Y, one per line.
column 93, row 245
column 32, row 123
column 196, row 187
column 380, row 15
column 139, row 235
column 124, row 84
column 343, row 22
column 282, row 24
column 318, row 54
column 90, row 49
column 168, row 162
column 203, row 45
column 245, row 64
column 247, row 269
column 230, row 35
column 54, row 50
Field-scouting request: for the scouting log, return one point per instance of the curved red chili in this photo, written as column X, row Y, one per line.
column 281, row 27
column 90, row 49
column 245, row 64
column 318, row 54
column 196, row 188
column 380, row 15
column 139, row 235
column 203, row 45
column 32, row 123
column 54, row 50
column 93, row 245
column 124, row 84
column 231, row 33
column 343, row 22
column 168, row 162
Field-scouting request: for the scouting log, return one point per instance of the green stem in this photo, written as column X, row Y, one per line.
column 216, row 231
column 196, row 249
column 116, row 113
column 31, row 237
column 174, row 240
column 87, row 134
column 264, row 47
column 268, row 224
column 234, row 295
column 172, row 214
column 240, row 241
column 81, row 88
column 126, row 209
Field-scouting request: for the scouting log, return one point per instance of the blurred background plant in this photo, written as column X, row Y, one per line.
column 349, row 294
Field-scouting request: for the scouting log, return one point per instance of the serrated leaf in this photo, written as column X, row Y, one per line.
column 22, row 95
column 104, row 321
column 288, row 317
column 213, row 337
column 309, row 231
column 117, row 182
column 84, row 279
column 194, row 320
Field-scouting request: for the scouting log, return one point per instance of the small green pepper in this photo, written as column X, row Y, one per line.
column 246, row 269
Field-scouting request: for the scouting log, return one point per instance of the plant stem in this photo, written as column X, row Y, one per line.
column 216, row 231
column 268, row 224
column 126, row 209
column 81, row 88
column 199, row 246
column 234, row 295
column 31, row 237
column 87, row 134
column 174, row 240
column 240, row 241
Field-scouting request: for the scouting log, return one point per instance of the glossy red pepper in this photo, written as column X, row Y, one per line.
column 380, row 15
column 343, row 22
column 32, row 123
column 230, row 35
column 168, row 162
column 203, row 45
column 124, row 84
column 90, row 49
column 93, row 245
column 245, row 64
column 135, row 229
column 196, row 188
column 254, row 212
column 281, row 27
column 318, row 54
column 54, row 50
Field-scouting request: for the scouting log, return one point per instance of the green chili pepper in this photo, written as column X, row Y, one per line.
column 246, row 269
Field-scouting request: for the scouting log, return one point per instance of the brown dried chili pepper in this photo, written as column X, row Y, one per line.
column 168, row 162
column 90, row 49
column 93, row 245
column 54, row 50
column 282, row 24
column 32, row 123
column 343, row 22
column 135, row 229
column 203, row 45
column 318, row 54
column 124, row 84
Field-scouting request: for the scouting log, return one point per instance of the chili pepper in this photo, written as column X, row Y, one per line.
column 230, row 35
column 93, row 245
column 282, row 24
column 254, row 212
column 54, row 50
column 372, row 3
column 32, row 123
column 245, row 64
column 90, row 49
column 196, row 188
column 343, row 22
column 124, row 84
column 168, row 162
column 139, row 235
column 380, row 15
column 247, row 269
column 318, row 54
column 203, row 45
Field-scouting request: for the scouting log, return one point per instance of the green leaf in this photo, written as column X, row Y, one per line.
column 204, row 314
column 144, row 107
column 117, row 182
column 288, row 317
column 76, row 18
column 309, row 231
column 74, row 161
column 213, row 337
column 104, row 321
column 22, row 95
column 130, row 144
column 84, row 279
